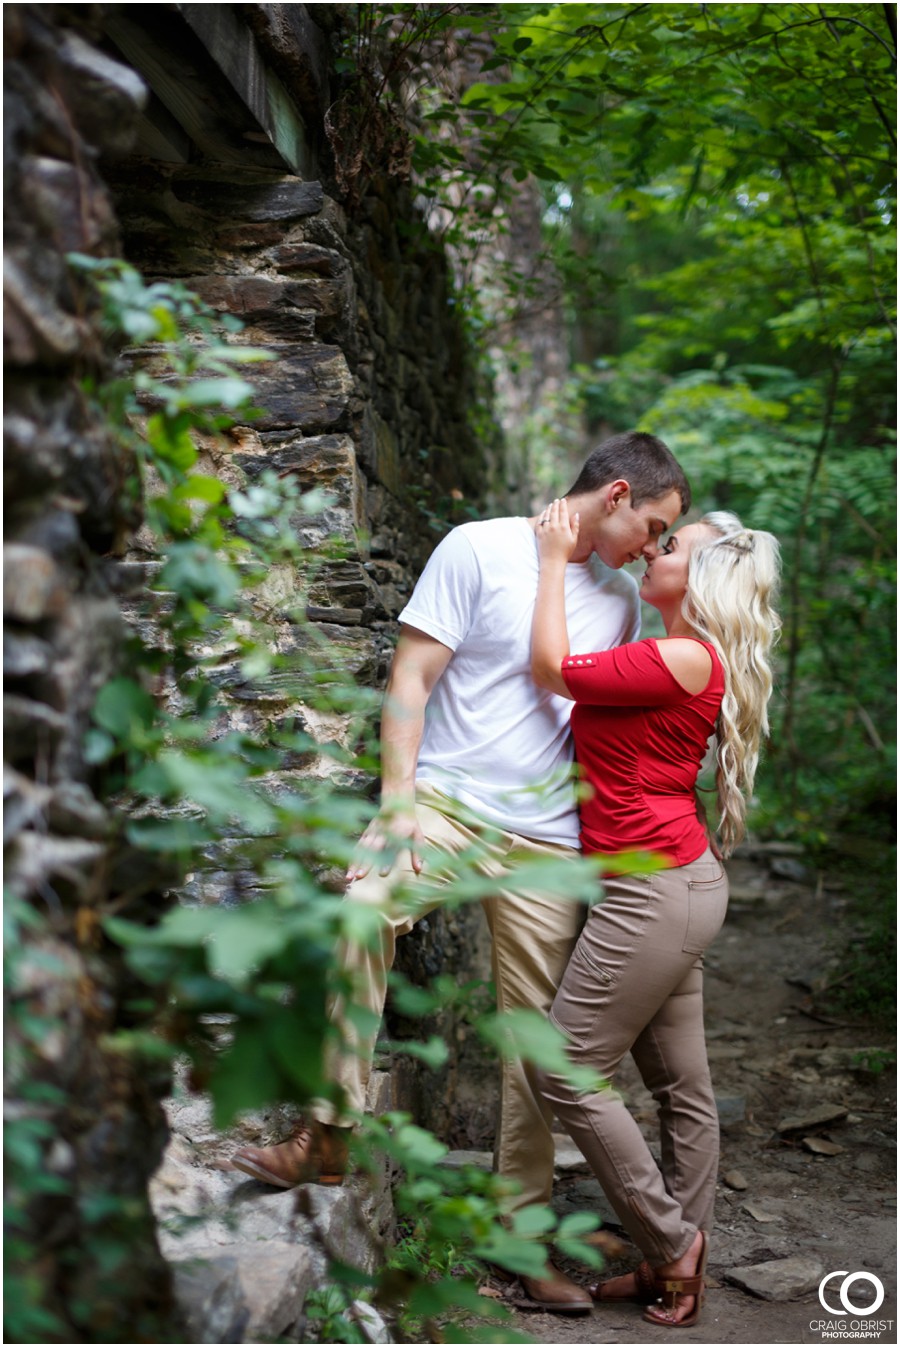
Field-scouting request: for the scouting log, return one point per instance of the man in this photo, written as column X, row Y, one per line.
column 473, row 749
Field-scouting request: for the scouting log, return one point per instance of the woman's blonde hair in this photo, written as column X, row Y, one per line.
column 731, row 589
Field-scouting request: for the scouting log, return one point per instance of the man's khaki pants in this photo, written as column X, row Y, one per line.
column 533, row 935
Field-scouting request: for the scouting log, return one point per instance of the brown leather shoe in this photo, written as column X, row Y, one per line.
column 316, row 1154
column 557, row 1293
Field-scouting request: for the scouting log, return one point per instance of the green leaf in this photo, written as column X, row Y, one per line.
column 423, row 1190
column 98, row 746
column 151, row 781
column 526, row 1034
column 243, row 940
column 408, row 999
column 584, row 1253
column 124, row 709
column 434, row 1053
column 244, row 1076
column 419, row 1147
column 524, row 1257
column 194, row 570
column 362, row 1019
column 177, row 836
column 185, row 927
column 227, row 392
column 531, row 1221
column 169, row 437
column 529, row 1036
column 436, row 1297
column 578, row 1223
column 166, row 328
column 296, row 1042
column 199, row 487
column 82, row 262
column 218, row 785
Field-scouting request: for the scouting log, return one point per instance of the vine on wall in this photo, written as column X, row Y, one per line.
column 187, row 788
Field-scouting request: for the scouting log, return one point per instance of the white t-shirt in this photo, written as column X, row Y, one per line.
column 493, row 739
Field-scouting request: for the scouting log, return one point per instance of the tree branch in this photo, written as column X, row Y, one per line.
column 793, row 616
column 886, row 122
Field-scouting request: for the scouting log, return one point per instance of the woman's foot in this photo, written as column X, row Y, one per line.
column 679, row 1286
column 636, row 1286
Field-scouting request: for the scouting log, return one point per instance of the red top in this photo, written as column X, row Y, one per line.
column 639, row 739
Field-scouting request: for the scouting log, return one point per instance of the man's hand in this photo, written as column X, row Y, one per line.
column 387, row 834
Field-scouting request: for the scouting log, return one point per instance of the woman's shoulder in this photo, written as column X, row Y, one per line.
column 690, row 662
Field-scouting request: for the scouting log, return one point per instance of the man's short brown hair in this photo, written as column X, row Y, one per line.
column 648, row 465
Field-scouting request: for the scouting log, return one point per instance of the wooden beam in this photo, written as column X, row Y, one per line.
column 233, row 47
column 157, row 41
column 160, row 137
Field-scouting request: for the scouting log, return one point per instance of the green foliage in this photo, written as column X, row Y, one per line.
column 876, row 1060
column 52, row 1286
column 720, row 214
column 749, row 442
column 245, row 987
column 865, row 981
column 719, row 210
column 29, row 1184
column 454, row 1221
column 329, row 1314
column 719, row 187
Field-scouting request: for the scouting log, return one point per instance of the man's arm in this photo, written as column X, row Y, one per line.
column 418, row 663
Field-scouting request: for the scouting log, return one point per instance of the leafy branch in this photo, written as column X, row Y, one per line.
column 245, row 987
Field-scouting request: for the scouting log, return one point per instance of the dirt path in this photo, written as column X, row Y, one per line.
column 822, row 1191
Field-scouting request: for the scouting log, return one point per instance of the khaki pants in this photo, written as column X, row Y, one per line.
column 533, row 936
column 635, row 983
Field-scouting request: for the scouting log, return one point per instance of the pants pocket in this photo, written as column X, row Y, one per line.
column 605, row 951
column 580, row 997
column 707, row 899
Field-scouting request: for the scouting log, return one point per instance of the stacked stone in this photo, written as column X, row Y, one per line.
column 81, row 1202
column 368, row 396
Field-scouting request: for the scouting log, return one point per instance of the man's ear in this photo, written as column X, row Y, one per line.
column 617, row 493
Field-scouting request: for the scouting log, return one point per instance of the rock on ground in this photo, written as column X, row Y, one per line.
column 780, row 1279
column 784, row 1075
column 244, row 1255
column 788, row 1213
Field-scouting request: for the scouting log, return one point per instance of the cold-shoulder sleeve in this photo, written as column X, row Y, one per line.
column 631, row 675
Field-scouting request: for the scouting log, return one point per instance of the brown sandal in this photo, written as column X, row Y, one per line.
column 668, row 1289
column 647, row 1290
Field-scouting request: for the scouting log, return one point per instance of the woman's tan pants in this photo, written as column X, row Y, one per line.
column 635, row 983
column 533, row 936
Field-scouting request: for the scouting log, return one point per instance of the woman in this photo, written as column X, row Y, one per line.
column 643, row 715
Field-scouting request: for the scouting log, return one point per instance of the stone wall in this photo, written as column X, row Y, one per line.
column 84, row 1126
column 368, row 396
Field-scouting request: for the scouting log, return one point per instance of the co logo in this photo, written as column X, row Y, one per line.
column 849, row 1279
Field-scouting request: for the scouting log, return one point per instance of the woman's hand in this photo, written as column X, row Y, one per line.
column 557, row 534
column 557, row 538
